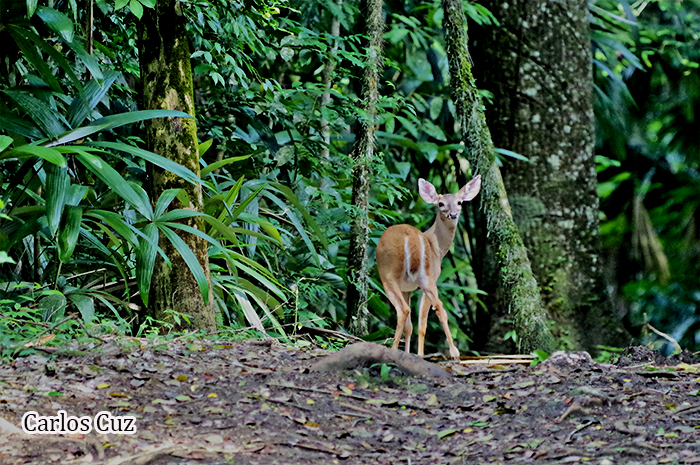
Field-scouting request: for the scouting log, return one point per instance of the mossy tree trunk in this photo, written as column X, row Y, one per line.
column 512, row 278
column 166, row 76
column 363, row 151
column 537, row 64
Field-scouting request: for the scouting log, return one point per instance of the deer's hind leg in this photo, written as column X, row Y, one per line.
column 408, row 326
column 403, row 311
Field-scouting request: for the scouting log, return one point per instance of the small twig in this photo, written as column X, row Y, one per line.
column 676, row 346
column 71, row 317
column 579, row 428
column 88, row 332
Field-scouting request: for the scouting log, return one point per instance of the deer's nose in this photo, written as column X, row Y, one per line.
column 453, row 216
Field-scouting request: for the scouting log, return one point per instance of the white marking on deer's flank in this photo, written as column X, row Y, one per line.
column 406, row 257
column 421, row 271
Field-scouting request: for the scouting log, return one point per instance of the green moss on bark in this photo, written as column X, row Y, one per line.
column 166, row 76
column 517, row 286
column 357, row 320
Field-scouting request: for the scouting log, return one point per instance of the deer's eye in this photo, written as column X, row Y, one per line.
column 441, row 204
column 459, row 202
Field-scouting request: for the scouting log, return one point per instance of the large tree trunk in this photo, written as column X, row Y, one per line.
column 512, row 277
column 363, row 151
column 166, row 76
column 538, row 67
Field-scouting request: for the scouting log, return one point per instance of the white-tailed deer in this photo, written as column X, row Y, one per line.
column 408, row 259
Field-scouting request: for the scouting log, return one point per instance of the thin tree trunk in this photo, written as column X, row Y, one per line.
column 363, row 151
column 166, row 76
column 328, row 70
column 538, row 67
column 517, row 289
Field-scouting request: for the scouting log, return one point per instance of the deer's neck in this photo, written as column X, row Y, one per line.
column 442, row 233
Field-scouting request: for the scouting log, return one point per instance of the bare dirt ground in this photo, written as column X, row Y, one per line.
column 258, row 402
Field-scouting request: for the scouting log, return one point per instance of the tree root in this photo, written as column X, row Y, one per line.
column 355, row 355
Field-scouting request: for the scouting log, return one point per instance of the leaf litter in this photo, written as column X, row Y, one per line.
column 259, row 402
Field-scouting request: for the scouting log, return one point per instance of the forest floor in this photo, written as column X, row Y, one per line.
column 258, row 402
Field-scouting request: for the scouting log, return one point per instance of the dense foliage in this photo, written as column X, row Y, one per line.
column 78, row 231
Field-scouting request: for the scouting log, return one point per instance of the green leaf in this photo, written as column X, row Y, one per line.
column 85, row 305
column 292, row 198
column 57, row 181
column 164, row 201
column 119, row 4
column 145, row 261
column 117, row 223
column 31, row 8
column 190, row 259
column 26, row 151
column 216, row 165
column 446, row 432
column 19, row 33
column 88, row 98
column 113, row 180
column 56, row 21
column 68, row 236
column 40, row 112
column 114, row 121
column 248, row 311
column 511, row 154
column 435, row 107
column 32, row 55
column 136, row 8
column 148, row 3
column 204, row 146
column 5, row 141
column 156, row 159
column 297, row 224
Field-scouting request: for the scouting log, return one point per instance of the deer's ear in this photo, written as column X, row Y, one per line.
column 427, row 191
column 469, row 191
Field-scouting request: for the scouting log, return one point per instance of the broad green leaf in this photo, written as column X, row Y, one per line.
column 511, row 154
column 56, row 21
column 148, row 3
column 85, row 305
column 164, row 201
column 435, row 107
column 136, row 8
column 114, row 121
column 266, row 309
column 227, row 214
column 33, row 56
column 25, row 151
column 119, row 4
column 90, row 61
column 216, row 165
column 68, row 236
column 117, row 223
column 88, row 98
column 190, row 259
column 204, row 146
column 57, row 181
column 40, row 112
column 246, row 202
column 249, row 311
column 31, row 8
column 266, row 299
column 5, row 141
column 55, row 55
column 156, row 159
column 22, row 127
column 292, row 198
column 113, row 180
column 145, row 261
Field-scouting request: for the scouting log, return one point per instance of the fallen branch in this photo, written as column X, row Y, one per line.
column 366, row 352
